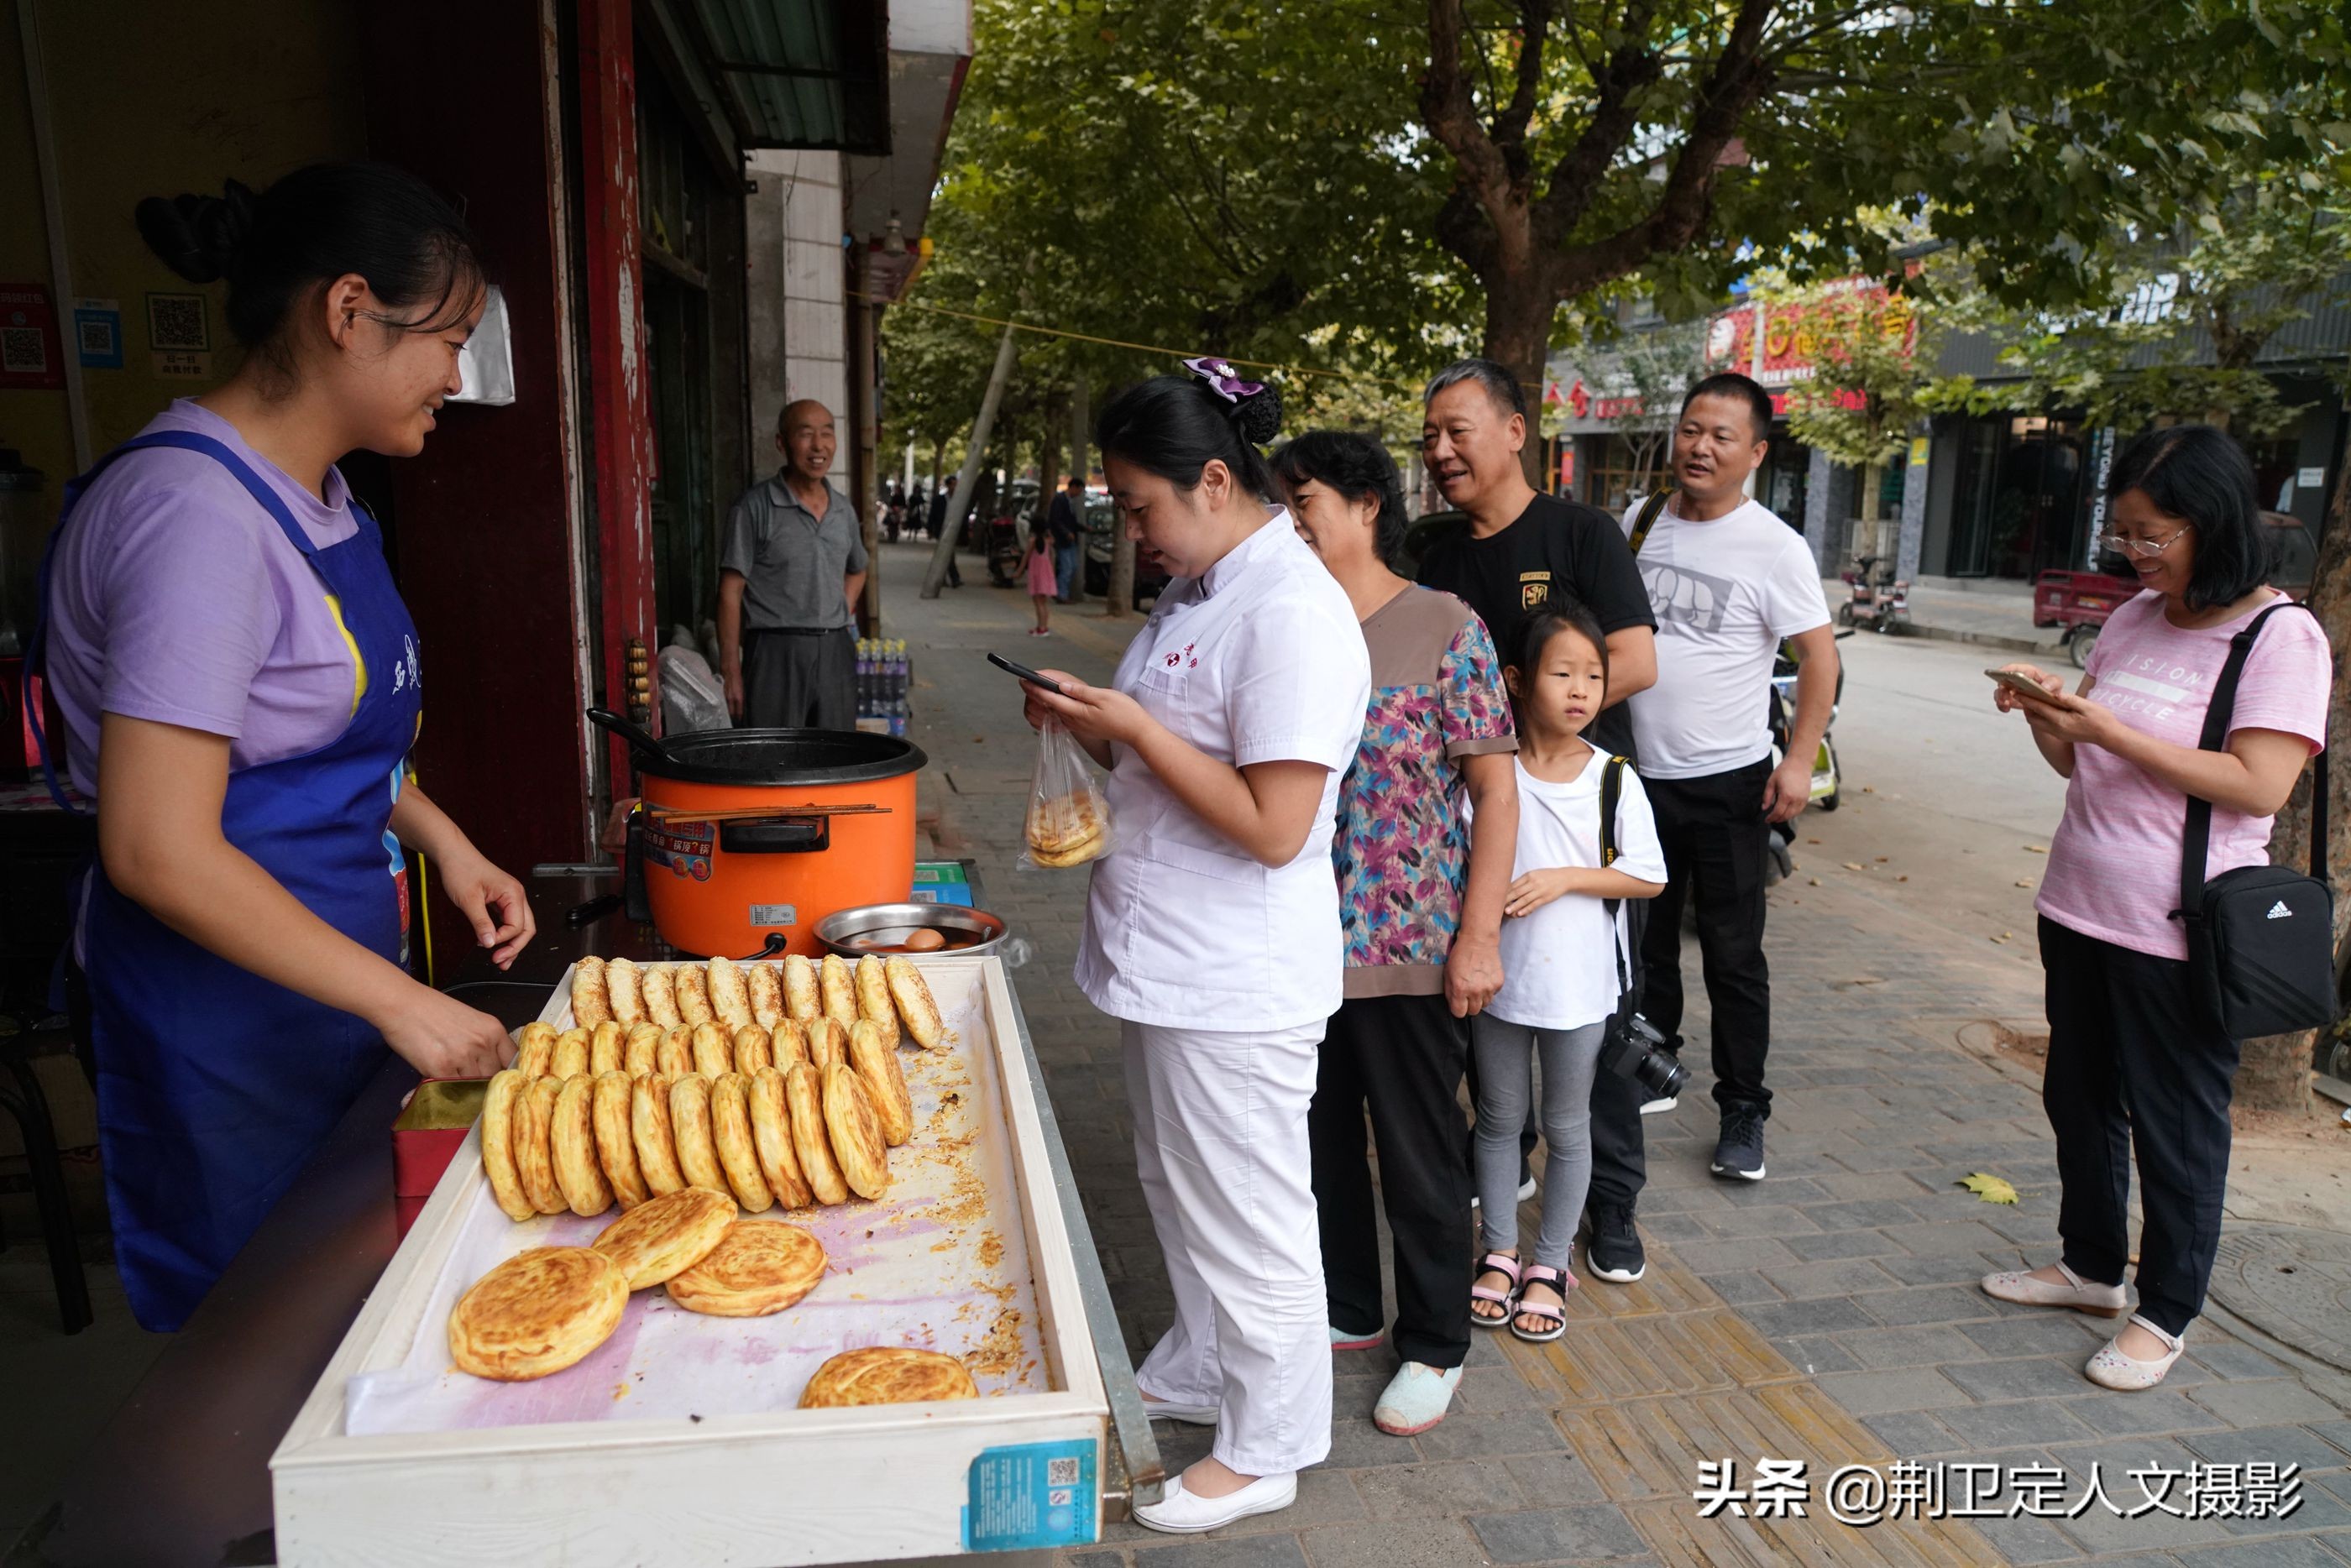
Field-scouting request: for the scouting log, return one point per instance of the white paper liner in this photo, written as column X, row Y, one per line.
column 941, row 1262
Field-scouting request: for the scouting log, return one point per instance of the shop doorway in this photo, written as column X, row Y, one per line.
column 685, row 561
column 2016, row 509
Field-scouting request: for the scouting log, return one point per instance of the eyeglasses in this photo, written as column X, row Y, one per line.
column 2122, row 544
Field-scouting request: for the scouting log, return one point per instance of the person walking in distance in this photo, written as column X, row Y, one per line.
column 1517, row 553
column 1728, row 581
column 1065, row 521
column 941, row 499
column 789, row 575
column 1041, row 582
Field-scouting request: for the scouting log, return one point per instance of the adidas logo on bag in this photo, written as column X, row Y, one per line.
column 2278, row 911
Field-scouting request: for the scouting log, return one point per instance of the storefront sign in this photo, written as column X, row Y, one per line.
column 2101, row 464
column 2310, row 479
column 29, row 351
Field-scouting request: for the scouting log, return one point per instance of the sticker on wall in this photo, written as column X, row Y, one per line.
column 29, row 351
column 98, row 334
column 178, row 323
column 182, row 366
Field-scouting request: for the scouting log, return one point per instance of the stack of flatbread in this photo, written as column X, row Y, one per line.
column 1067, row 829
column 777, row 1085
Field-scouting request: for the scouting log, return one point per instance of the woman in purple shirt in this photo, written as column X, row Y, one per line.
column 240, row 686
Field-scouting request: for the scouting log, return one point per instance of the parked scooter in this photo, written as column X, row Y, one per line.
column 1879, row 600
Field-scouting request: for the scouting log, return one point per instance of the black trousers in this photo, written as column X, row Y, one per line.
column 799, row 679
column 2130, row 1069
column 1716, row 841
column 1402, row 1057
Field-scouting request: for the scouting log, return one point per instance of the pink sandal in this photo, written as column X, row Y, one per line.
column 1554, row 1318
column 1500, row 1263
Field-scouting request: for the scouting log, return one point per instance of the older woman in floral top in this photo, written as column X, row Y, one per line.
column 1421, row 908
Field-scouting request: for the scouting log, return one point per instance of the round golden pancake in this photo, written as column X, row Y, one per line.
column 497, row 1143
column 656, row 1240
column 637, row 1055
column 588, row 1007
column 804, row 1101
column 616, row 1145
column 649, row 1130
column 887, row 1374
column 624, row 992
column 827, row 1043
column 877, row 1064
column 535, row 1049
column 766, row 984
column 874, row 998
column 800, row 999
column 730, row 1134
column 674, row 1056
column 751, row 1049
column 538, row 1312
column 693, row 996
column 534, row 1149
column 838, row 990
column 689, row 1130
column 787, row 1045
column 771, row 1139
column 730, row 994
column 570, row 1058
column 713, row 1053
column 911, row 992
column 572, row 1144
column 858, row 1146
column 660, row 992
column 604, row 1049
column 759, row 1267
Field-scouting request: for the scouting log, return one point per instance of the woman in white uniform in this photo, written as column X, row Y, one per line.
column 1212, row 932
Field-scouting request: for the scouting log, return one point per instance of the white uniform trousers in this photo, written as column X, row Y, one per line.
column 1220, row 1144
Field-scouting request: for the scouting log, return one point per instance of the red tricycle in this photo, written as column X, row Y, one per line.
column 2080, row 602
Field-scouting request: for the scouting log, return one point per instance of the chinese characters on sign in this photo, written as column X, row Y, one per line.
column 1862, row 1495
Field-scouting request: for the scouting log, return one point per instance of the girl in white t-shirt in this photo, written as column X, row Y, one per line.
column 1564, row 960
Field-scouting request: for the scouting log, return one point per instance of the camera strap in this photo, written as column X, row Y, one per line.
column 1611, row 790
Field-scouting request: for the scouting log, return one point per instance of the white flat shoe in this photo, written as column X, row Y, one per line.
column 1180, row 1513
column 1191, row 1415
column 2109, row 1368
column 2021, row 1287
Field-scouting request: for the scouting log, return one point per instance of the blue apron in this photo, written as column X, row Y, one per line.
column 216, row 1086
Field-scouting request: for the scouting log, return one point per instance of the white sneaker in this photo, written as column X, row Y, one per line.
column 1660, row 1106
column 1180, row 1513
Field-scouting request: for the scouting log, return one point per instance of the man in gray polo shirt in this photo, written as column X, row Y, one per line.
column 788, row 578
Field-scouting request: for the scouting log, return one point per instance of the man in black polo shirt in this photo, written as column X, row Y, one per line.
column 1517, row 552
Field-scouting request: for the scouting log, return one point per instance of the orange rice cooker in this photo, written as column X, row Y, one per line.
column 745, row 839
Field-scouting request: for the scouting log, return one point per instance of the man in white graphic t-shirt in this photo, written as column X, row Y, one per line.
column 1728, row 580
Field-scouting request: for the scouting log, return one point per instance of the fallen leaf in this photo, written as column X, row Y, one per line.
column 1816, row 882
column 1853, row 864
column 2024, row 882
column 1811, row 841
column 1990, row 1189
column 2036, row 850
column 1881, row 859
column 1870, row 789
column 1902, row 878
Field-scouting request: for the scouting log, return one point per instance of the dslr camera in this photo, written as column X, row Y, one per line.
column 1636, row 1050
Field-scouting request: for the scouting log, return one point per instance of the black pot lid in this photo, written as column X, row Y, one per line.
column 786, row 757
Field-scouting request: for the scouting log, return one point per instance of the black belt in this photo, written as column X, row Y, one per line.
column 792, row 630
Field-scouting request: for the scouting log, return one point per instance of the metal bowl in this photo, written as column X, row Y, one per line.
column 854, row 932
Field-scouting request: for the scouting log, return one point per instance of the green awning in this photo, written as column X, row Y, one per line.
column 800, row 73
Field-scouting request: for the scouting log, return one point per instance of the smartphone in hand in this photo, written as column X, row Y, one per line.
column 1027, row 674
column 2022, row 684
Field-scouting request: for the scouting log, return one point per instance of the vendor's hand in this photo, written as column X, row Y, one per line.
column 2008, row 702
column 1473, row 973
column 442, row 1037
column 1093, row 712
column 734, row 680
column 494, row 902
column 1789, row 789
column 2067, row 717
column 1535, row 888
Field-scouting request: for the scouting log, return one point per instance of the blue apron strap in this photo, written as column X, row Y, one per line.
column 36, row 647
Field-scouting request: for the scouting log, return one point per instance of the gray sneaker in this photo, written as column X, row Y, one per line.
column 1738, row 1153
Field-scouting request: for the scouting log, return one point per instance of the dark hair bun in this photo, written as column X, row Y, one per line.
column 198, row 237
column 1259, row 416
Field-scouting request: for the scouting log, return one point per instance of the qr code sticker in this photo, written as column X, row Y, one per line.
column 22, row 352
column 98, row 338
column 1062, row 1472
column 176, row 321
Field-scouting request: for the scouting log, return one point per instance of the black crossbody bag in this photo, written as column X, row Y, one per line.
column 2261, row 938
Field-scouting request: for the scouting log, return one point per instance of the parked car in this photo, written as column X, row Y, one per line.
column 1102, row 534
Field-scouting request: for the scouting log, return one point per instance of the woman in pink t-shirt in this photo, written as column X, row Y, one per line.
column 2132, row 1069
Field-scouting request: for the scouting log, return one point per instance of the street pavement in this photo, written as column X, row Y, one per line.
column 1827, row 1315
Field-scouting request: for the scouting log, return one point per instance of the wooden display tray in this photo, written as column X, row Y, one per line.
column 783, row 1486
